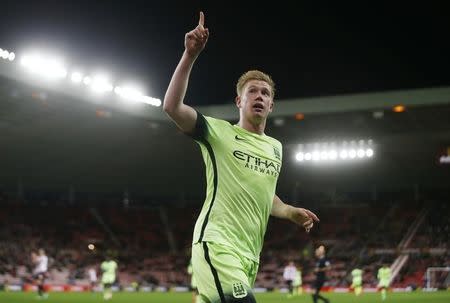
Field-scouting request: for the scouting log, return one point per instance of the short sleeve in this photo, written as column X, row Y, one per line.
column 200, row 129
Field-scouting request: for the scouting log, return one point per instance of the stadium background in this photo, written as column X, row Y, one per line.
column 79, row 169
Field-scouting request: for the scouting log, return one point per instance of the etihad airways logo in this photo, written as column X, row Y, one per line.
column 258, row 164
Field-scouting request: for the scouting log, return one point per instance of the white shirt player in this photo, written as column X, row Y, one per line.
column 290, row 272
column 92, row 275
column 41, row 264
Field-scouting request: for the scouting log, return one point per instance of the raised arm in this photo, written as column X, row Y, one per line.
column 299, row 216
column 183, row 115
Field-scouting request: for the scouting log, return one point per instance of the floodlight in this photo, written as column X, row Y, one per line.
column 4, row 54
column 129, row 93
column 55, row 69
column 101, row 84
column 299, row 157
column 332, row 155
column 361, row 153
column 87, row 80
column 152, row 101
column 330, row 152
column 352, row 153
column 50, row 68
column 76, row 77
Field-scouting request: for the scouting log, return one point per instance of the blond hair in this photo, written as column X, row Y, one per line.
column 254, row 75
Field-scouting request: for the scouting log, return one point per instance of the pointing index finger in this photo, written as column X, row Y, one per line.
column 312, row 215
column 201, row 20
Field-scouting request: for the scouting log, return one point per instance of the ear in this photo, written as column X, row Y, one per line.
column 238, row 101
column 271, row 106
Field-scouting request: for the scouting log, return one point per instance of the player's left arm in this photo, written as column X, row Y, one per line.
column 298, row 215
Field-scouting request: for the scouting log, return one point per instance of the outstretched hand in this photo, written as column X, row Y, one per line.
column 303, row 217
column 195, row 40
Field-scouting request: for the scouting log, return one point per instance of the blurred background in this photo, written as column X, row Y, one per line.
column 89, row 162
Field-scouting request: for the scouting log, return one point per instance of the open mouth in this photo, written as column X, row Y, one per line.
column 259, row 107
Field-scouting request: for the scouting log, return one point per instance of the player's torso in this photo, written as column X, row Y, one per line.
column 321, row 264
column 109, row 267
column 247, row 163
column 385, row 273
column 242, row 169
column 42, row 264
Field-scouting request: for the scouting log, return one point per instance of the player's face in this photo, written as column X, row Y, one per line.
column 256, row 100
column 320, row 251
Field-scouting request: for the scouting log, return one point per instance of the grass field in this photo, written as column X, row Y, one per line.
column 416, row 297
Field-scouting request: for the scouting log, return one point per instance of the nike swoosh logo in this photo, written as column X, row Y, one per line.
column 239, row 138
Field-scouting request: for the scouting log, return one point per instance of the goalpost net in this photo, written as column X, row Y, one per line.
column 438, row 278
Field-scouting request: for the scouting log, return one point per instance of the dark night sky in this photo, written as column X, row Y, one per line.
column 310, row 49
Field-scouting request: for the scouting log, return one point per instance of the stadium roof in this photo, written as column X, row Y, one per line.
column 326, row 104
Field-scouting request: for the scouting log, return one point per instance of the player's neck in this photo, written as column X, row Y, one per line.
column 253, row 127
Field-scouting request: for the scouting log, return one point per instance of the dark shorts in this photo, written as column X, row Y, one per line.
column 318, row 284
column 40, row 276
column 108, row 285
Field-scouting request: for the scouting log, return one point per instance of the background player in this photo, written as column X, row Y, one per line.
column 297, row 282
column 109, row 268
column 322, row 266
column 289, row 274
column 92, row 275
column 357, row 274
column 384, row 279
column 40, row 260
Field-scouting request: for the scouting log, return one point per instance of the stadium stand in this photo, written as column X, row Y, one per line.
column 152, row 259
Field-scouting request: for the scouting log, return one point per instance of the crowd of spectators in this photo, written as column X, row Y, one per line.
column 152, row 244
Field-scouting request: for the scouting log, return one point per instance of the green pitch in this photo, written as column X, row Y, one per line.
column 416, row 297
